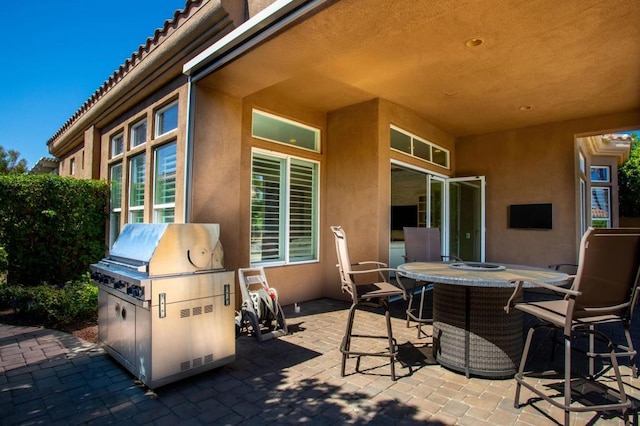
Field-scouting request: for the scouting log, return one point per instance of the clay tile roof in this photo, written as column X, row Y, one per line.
column 45, row 165
column 617, row 137
column 128, row 64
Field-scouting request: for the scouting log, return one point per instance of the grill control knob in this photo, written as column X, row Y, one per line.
column 135, row 291
column 118, row 284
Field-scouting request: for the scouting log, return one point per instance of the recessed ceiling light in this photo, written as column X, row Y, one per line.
column 525, row 107
column 474, row 42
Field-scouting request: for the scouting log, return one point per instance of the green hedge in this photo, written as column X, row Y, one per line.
column 629, row 182
column 52, row 228
column 52, row 305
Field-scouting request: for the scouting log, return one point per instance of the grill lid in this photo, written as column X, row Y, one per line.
column 169, row 248
column 138, row 243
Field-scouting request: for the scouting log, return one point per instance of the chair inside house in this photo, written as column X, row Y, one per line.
column 603, row 294
column 421, row 245
column 372, row 290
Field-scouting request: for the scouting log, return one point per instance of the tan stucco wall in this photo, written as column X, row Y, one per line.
column 354, row 174
column 91, row 164
column 221, row 181
column 72, row 164
column 296, row 282
column 533, row 165
column 353, row 197
column 217, row 177
column 359, row 178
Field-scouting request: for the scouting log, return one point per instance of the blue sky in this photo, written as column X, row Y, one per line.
column 55, row 54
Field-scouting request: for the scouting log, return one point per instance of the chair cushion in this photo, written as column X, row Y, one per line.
column 375, row 290
column 554, row 311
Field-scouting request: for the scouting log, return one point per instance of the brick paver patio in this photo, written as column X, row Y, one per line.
column 48, row 377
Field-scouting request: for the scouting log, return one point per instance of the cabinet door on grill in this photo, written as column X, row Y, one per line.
column 121, row 325
column 197, row 333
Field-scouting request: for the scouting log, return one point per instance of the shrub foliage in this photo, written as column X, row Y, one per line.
column 629, row 181
column 52, row 228
column 52, row 305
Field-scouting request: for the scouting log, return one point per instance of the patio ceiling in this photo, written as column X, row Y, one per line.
column 540, row 61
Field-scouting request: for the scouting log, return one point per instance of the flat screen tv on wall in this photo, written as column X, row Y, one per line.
column 531, row 216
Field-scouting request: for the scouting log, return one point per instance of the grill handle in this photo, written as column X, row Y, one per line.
column 162, row 305
column 140, row 268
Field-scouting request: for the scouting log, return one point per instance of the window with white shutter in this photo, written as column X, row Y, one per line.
column 116, row 202
column 136, row 188
column 284, row 209
column 164, row 185
column 302, row 210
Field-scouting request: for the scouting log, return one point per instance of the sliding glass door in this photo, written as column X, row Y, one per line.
column 465, row 218
column 455, row 205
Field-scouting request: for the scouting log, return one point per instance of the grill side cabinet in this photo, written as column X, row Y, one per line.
column 195, row 329
column 117, row 327
column 186, row 327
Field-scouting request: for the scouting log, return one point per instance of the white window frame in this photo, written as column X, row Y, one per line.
column 606, row 173
column 315, row 130
column 72, row 166
column 417, row 139
column 136, row 208
column 115, row 210
column 607, row 191
column 119, row 135
column 583, row 206
column 445, row 229
column 135, row 130
column 159, row 119
column 285, row 210
column 159, row 207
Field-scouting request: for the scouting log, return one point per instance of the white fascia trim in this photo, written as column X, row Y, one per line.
column 245, row 32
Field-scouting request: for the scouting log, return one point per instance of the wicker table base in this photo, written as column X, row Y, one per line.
column 473, row 334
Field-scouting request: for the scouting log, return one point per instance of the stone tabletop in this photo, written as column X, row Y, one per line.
column 473, row 274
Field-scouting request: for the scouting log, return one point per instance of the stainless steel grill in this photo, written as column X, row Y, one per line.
column 166, row 304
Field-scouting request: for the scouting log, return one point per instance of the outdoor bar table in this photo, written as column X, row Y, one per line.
column 471, row 331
